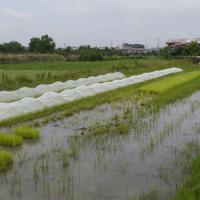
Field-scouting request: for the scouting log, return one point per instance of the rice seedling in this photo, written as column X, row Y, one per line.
column 6, row 159
column 122, row 128
column 65, row 159
column 170, row 82
column 152, row 101
column 35, row 172
column 10, row 140
column 27, row 133
column 190, row 189
column 152, row 195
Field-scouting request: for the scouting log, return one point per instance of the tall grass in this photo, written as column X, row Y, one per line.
column 15, row 79
column 14, row 76
column 6, row 159
column 27, row 133
column 10, row 140
column 24, row 58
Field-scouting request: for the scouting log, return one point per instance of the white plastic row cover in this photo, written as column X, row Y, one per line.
column 48, row 99
column 10, row 96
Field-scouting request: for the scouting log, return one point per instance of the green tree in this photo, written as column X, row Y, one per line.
column 134, row 45
column 89, row 54
column 165, row 53
column 192, row 49
column 68, row 50
column 34, row 45
column 12, row 47
column 45, row 44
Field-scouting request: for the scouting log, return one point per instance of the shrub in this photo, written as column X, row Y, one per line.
column 27, row 133
column 5, row 160
column 10, row 140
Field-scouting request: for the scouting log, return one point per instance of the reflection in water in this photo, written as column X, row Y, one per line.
column 110, row 152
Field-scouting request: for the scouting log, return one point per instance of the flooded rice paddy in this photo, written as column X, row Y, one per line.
column 110, row 152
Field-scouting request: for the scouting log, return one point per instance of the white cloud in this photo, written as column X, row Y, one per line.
column 97, row 21
column 4, row 27
column 11, row 13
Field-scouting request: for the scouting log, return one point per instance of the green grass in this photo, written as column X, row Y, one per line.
column 15, row 76
column 170, row 82
column 141, row 66
column 190, row 190
column 155, row 101
column 27, row 133
column 171, row 95
column 10, row 140
column 6, row 159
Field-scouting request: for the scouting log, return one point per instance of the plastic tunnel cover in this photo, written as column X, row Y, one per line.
column 48, row 99
column 11, row 96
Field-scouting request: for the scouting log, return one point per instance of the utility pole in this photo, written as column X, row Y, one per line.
column 158, row 45
column 111, row 44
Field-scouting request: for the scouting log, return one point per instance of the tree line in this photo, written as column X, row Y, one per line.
column 45, row 44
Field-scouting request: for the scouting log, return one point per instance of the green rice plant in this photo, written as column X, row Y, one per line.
column 5, row 160
column 152, row 102
column 191, row 187
column 27, row 133
column 10, row 140
column 65, row 159
column 170, row 82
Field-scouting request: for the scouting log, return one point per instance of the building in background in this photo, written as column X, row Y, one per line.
column 181, row 43
column 131, row 49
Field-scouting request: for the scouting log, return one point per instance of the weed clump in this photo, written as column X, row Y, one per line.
column 27, row 133
column 6, row 159
column 10, row 140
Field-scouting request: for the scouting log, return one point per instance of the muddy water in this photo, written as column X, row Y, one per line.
column 66, row 164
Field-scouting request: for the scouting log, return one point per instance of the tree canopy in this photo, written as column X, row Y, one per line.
column 86, row 53
column 192, row 49
column 45, row 44
column 134, row 46
column 165, row 53
column 12, row 47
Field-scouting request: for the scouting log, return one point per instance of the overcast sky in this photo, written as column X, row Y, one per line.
column 99, row 22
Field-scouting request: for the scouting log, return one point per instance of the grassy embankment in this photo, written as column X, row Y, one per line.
column 15, row 76
column 119, row 94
